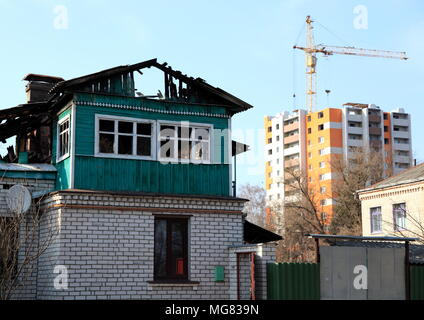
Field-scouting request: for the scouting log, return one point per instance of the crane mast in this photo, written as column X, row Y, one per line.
column 311, row 59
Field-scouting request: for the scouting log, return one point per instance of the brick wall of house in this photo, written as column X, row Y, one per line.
column 105, row 241
column 106, row 244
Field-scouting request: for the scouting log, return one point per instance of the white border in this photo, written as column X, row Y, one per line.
column 122, row 156
column 66, row 155
column 186, row 123
column 72, row 149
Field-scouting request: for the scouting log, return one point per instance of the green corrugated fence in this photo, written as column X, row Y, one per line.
column 293, row 281
column 417, row 282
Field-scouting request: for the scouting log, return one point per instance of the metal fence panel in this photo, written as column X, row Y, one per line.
column 337, row 272
column 417, row 282
column 386, row 273
column 293, row 281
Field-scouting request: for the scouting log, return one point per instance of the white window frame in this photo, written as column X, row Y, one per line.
column 59, row 123
column 377, row 212
column 115, row 154
column 189, row 124
column 395, row 216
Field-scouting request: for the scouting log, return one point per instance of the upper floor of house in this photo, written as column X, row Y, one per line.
column 102, row 133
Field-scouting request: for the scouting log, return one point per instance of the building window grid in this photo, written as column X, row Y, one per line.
column 124, row 138
column 63, row 128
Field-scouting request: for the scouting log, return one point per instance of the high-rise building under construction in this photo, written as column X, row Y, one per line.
column 311, row 142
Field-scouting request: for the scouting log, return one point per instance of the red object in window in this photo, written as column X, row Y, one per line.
column 180, row 266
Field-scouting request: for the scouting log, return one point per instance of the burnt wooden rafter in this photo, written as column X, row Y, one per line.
column 23, row 125
column 178, row 86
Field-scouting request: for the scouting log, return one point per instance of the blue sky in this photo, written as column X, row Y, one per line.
column 244, row 47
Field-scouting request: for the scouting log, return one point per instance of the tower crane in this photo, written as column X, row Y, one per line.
column 311, row 59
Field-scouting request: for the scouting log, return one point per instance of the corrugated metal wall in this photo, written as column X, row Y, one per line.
column 293, row 281
column 417, row 282
column 384, row 275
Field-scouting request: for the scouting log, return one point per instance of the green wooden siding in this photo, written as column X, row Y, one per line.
column 293, row 281
column 159, row 105
column 85, row 126
column 112, row 174
column 150, row 176
column 63, row 176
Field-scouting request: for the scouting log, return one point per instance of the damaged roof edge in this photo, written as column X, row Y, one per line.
column 200, row 83
column 101, row 74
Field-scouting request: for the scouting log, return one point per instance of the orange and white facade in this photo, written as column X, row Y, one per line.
column 310, row 142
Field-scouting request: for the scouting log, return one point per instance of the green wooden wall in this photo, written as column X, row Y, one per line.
column 63, row 176
column 150, row 176
column 98, row 173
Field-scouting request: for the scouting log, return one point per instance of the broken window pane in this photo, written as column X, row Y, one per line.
column 144, row 129
column 106, row 143
column 184, row 149
column 63, row 140
column 167, row 131
column 167, row 149
column 125, row 127
column 143, row 146
column 201, row 134
column 107, row 125
column 125, row 144
column 201, row 151
column 184, row 132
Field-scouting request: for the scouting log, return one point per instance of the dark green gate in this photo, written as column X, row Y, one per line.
column 293, row 281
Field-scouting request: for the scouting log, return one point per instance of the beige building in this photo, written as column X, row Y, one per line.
column 395, row 206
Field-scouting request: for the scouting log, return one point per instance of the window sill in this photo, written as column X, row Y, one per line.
column 173, row 283
column 64, row 157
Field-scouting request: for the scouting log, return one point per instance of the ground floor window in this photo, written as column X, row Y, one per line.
column 171, row 248
column 399, row 216
column 375, row 219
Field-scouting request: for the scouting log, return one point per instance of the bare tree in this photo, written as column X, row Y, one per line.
column 256, row 207
column 360, row 170
column 302, row 214
column 20, row 248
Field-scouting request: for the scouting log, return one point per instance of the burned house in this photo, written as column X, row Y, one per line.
column 139, row 188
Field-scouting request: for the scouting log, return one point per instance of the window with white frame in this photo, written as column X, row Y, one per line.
column 63, row 128
column 322, row 164
column 184, row 142
column 399, row 216
column 376, row 219
column 124, row 137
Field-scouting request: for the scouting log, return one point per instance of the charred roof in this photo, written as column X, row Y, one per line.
column 115, row 81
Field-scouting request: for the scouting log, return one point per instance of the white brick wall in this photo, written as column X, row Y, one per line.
column 106, row 242
column 109, row 251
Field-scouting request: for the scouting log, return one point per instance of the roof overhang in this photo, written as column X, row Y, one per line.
column 256, row 234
